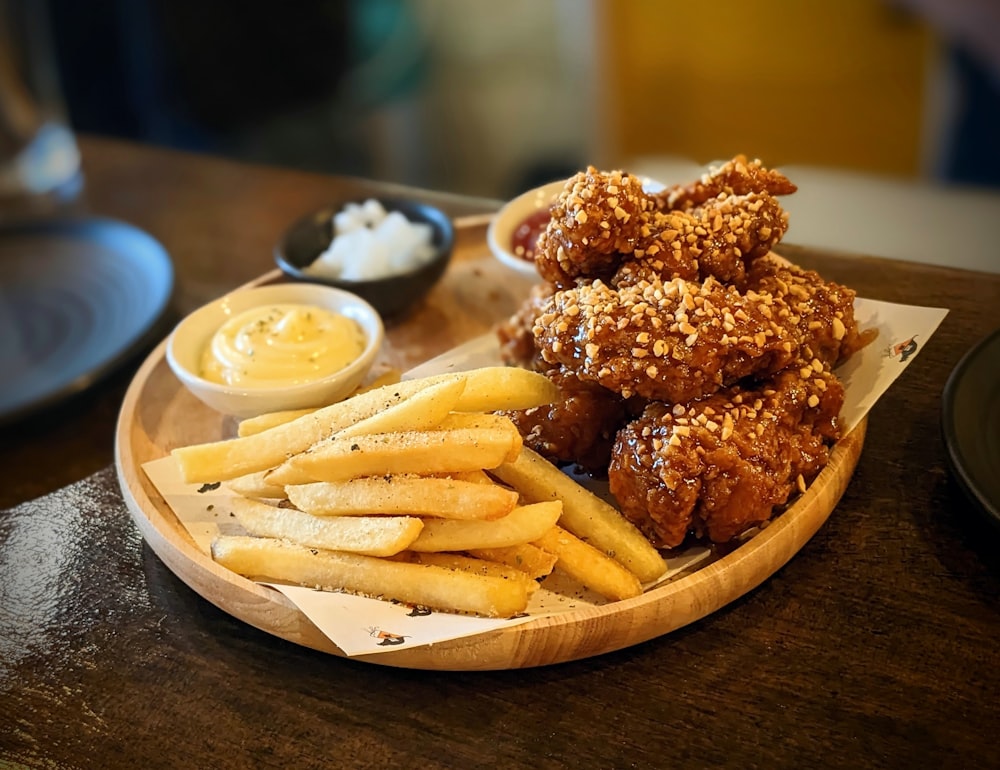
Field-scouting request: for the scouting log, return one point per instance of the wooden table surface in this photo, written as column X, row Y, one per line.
column 875, row 646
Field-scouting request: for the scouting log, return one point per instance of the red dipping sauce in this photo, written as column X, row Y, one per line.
column 525, row 237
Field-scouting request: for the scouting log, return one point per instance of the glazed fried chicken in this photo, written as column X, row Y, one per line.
column 692, row 363
column 672, row 341
column 720, row 465
column 579, row 428
column 735, row 177
column 605, row 222
column 823, row 310
column 678, row 340
column 596, row 219
column 719, row 239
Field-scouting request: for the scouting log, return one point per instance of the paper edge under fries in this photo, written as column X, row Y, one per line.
column 363, row 626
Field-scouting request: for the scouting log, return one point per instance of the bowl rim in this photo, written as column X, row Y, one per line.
column 436, row 217
column 510, row 215
column 514, row 211
column 370, row 322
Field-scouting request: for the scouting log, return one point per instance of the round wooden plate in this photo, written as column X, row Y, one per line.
column 158, row 414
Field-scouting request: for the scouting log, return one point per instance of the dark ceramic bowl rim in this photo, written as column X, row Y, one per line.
column 957, row 442
column 416, row 211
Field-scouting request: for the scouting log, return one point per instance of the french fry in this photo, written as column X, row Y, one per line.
column 599, row 572
column 421, row 411
column 222, row 460
column 522, row 525
column 477, row 567
column 401, row 495
column 478, row 420
column 254, row 486
column 476, row 477
column 584, row 514
column 420, row 584
column 369, row 535
column 496, row 388
column 393, row 499
column 535, row 562
column 434, row 451
column 262, row 422
column 486, row 389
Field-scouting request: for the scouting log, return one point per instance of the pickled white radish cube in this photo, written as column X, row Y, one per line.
column 331, row 262
column 367, row 257
column 372, row 212
column 369, row 242
column 348, row 219
column 396, row 232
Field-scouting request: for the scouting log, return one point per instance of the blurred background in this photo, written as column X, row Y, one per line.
column 490, row 98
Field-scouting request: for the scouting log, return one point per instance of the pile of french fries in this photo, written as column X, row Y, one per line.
column 417, row 492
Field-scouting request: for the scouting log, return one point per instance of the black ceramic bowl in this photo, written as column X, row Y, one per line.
column 391, row 296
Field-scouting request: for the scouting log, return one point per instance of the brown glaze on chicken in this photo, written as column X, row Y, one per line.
column 579, row 428
column 738, row 176
column 716, row 467
column 598, row 217
column 823, row 310
column 672, row 341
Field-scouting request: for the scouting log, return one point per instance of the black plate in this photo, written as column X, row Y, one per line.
column 970, row 419
column 77, row 297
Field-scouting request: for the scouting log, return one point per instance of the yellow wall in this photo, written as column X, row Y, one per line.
column 838, row 83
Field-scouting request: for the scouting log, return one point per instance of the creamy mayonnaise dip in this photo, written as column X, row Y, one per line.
column 281, row 345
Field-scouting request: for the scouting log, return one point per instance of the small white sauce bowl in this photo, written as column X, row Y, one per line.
column 501, row 230
column 189, row 338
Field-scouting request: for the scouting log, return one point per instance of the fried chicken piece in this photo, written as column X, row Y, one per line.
column 719, row 239
column 517, row 343
column 580, row 427
column 667, row 341
column 826, row 326
column 721, row 465
column 597, row 217
column 735, row 177
column 603, row 219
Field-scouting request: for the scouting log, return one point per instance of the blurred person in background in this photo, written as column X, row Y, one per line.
column 339, row 85
column 299, row 84
column 971, row 30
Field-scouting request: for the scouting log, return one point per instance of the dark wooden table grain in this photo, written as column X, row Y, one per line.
column 876, row 646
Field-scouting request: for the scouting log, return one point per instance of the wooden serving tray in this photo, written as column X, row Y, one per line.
column 158, row 414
